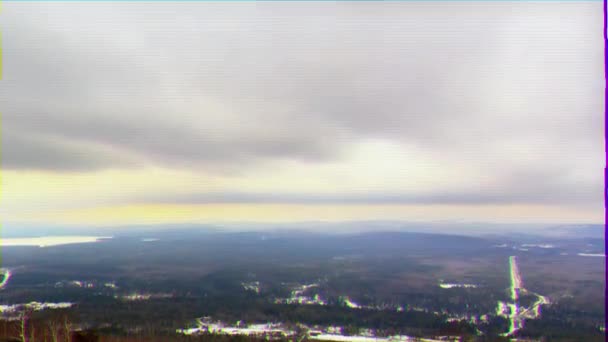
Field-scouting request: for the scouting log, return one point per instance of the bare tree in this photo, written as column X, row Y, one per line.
column 23, row 320
column 67, row 327
column 301, row 333
column 54, row 329
column 32, row 333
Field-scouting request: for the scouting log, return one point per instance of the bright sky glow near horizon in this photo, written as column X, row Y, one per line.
column 130, row 113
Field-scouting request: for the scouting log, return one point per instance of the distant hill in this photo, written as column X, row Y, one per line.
column 595, row 231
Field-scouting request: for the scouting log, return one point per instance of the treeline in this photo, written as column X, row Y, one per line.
column 63, row 326
column 60, row 328
column 25, row 328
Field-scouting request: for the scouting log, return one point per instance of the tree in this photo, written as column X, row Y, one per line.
column 55, row 329
column 300, row 333
column 24, row 317
column 67, row 328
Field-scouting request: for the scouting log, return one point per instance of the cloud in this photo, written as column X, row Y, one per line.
column 523, row 188
column 227, row 89
column 35, row 152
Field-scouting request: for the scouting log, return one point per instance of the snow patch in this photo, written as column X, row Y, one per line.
column 50, row 241
column 298, row 296
column 330, row 333
column 455, row 285
column 136, row 297
column 542, row 245
column 35, row 306
column 253, row 286
column 111, row 285
column 350, row 304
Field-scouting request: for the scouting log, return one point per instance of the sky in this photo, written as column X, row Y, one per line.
column 131, row 113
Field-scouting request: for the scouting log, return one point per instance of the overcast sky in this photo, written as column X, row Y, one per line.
column 117, row 113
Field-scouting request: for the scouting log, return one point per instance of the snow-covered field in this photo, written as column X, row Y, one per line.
column 204, row 325
column 333, row 337
column 526, row 246
column 350, row 304
column 135, row 297
column 49, row 241
column 454, row 285
column 298, row 296
column 331, row 333
column 396, row 338
column 35, row 306
column 252, row 286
